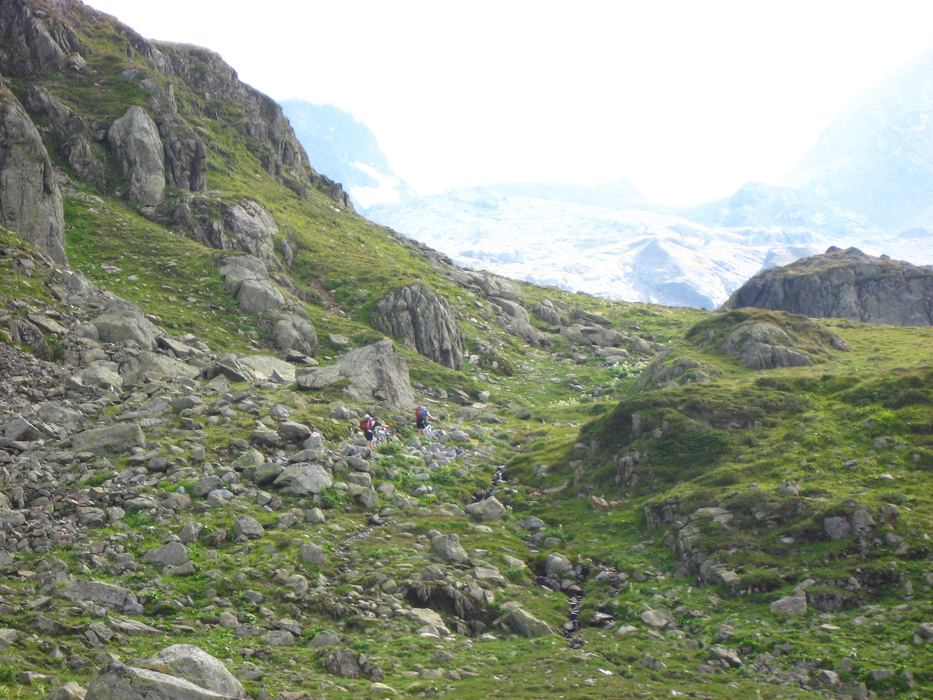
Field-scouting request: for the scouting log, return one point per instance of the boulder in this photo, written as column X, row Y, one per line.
column 303, row 479
column 525, row 624
column 311, row 553
column 115, row 439
column 372, row 374
column 199, row 667
column 294, row 333
column 119, row 682
column 247, row 526
column 100, row 592
column 448, row 548
column 121, row 321
column 556, row 564
column 248, row 226
column 247, row 280
column 134, row 139
column 422, row 320
column 790, row 605
column 171, row 554
column 487, row 509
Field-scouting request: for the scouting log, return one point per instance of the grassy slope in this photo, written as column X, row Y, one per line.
column 795, row 424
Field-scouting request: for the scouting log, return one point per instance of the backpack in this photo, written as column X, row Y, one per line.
column 367, row 424
column 420, row 412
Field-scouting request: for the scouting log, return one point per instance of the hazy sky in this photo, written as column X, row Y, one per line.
column 688, row 98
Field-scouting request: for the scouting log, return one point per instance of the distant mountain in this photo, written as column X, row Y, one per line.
column 867, row 183
column 877, row 157
column 799, row 213
column 629, row 254
column 346, row 151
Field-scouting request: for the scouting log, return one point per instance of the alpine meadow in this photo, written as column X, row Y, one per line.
column 617, row 500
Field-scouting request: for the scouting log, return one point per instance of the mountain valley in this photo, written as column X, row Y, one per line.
column 618, row 499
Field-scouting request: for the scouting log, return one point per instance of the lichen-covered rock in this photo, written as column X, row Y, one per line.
column 487, row 509
column 448, row 548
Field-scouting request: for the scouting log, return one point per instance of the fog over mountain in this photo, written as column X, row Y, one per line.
column 867, row 182
column 877, row 157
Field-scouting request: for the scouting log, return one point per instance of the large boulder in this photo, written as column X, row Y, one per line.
column 116, row 439
column 135, row 141
column 199, row 667
column 122, row 321
column 424, row 321
column 372, row 374
column 31, row 204
column 303, row 479
column 246, row 279
column 248, row 226
column 100, row 592
column 487, row 509
column 525, row 624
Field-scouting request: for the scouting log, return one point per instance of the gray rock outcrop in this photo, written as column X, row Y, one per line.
column 247, row 280
column 373, row 374
column 844, row 284
column 135, row 141
column 70, row 131
column 31, row 204
column 424, row 321
column 764, row 346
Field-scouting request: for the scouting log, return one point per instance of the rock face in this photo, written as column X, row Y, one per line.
column 31, row 204
column 844, row 284
column 70, row 131
column 244, row 225
column 374, row 374
column 423, row 321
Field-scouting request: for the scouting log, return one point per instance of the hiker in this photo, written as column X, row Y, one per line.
column 368, row 425
column 422, row 416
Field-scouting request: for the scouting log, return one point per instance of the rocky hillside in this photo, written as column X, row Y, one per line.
column 616, row 500
column 844, row 284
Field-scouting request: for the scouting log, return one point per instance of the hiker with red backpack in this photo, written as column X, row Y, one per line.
column 422, row 416
column 368, row 426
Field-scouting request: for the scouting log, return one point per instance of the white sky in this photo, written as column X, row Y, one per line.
column 688, row 98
